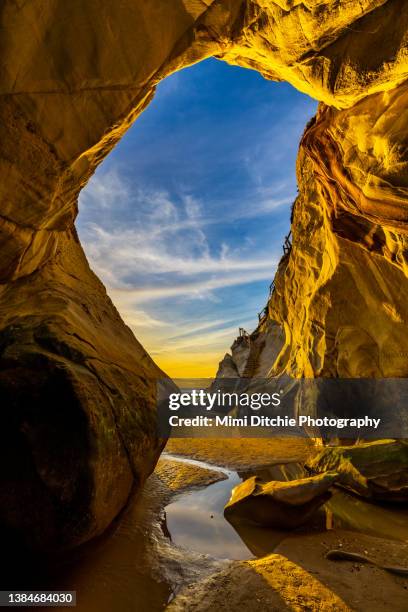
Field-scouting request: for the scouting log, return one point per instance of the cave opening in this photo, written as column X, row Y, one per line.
column 186, row 267
column 185, row 220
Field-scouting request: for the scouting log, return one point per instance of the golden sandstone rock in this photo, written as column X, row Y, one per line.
column 347, row 316
column 376, row 470
column 77, row 390
column 279, row 504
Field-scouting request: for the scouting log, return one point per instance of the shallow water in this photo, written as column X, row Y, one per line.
column 355, row 514
column 195, row 520
column 115, row 573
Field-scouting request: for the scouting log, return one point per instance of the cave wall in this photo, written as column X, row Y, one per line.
column 73, row 78
column 348, row 315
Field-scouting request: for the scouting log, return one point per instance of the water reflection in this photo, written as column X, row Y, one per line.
column 384, row 521
column 115, row 571
column 196, row 521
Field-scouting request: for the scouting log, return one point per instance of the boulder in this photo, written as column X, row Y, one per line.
column 376, row 470
column 284, row 505
column 78, row 399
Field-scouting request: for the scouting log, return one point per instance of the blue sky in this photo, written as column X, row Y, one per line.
column 184, row 221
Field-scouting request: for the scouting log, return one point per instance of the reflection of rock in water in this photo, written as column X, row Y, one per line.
column 374, row 470
column 383, row 521
column 260, row 541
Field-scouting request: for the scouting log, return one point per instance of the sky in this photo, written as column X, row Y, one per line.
column 184, row 221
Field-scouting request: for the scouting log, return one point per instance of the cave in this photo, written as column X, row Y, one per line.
column 69, row 94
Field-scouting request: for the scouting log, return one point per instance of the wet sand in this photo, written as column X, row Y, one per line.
column 243, row 453
column 137, row 567
column 297, row 575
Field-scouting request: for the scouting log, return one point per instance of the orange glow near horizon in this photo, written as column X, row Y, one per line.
column 187, row 365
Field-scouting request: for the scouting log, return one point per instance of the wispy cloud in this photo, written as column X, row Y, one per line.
column 195, row 290
column 193, row 201
column 105, row 191
column 167, row 241
column 148, row 246
column 135, row 253
column 220, row 339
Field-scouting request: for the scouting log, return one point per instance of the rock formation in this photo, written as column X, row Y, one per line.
column 77, row 390
column 284, row 505
column 376, row 470
column 352, row 191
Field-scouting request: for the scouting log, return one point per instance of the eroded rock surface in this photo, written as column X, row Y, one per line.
column 376, row 470
column 352, row 200
column 77, row 389
column 280, row 504
column 78, row 403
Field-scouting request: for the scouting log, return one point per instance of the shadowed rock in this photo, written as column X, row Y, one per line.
column 78, row 397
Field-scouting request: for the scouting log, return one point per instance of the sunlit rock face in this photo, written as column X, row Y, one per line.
column 77, row 389
column 340, row 295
